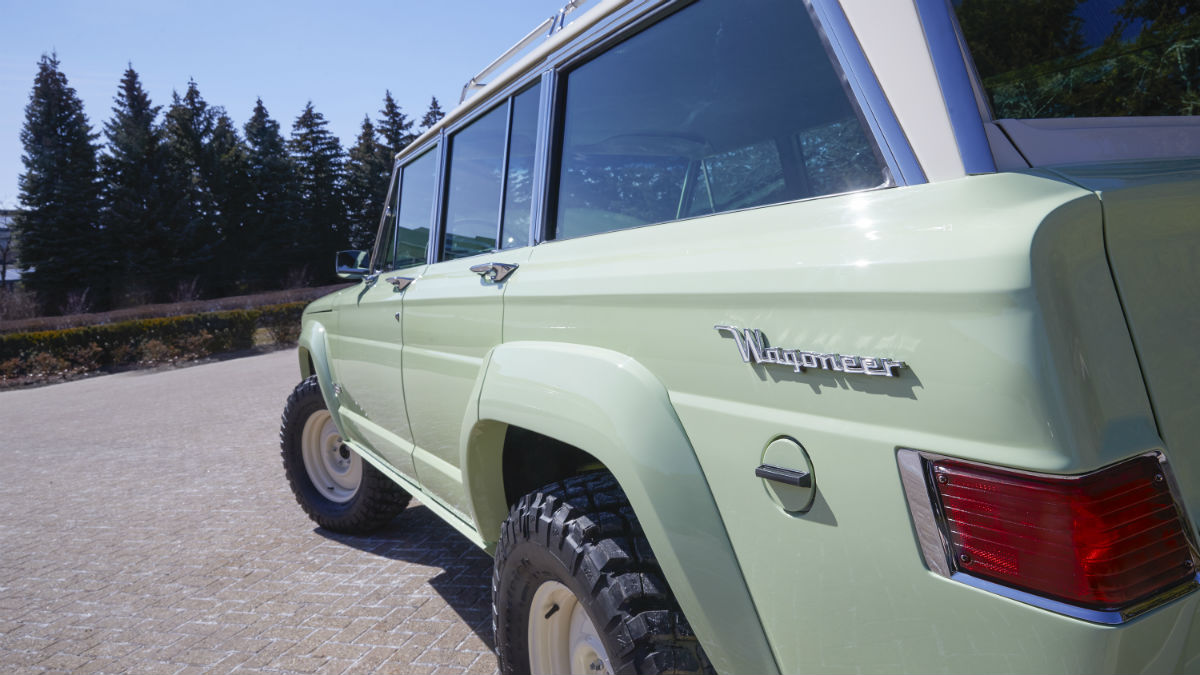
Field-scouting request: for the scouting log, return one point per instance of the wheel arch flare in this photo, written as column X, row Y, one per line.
column 612, row 407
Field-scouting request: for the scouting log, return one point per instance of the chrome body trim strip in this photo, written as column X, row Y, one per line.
column 510, row 106
column 920, row 506
column 893, row 144
column 1105, row 617
column 950, row 64
column 543, row 155
column 442, row 177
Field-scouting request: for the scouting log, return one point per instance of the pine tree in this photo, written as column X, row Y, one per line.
column 227, row 179
column 433, row 115
column 394, row 127
column 322, row 221
column 60, row 191
column 188, row 129
column 208, row 166
column 138, row 208
column 272, row 244
column 367, row 173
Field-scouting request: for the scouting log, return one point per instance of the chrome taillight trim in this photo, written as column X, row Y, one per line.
column 916, row 479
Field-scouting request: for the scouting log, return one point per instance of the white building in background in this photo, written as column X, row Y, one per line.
column 8, row 249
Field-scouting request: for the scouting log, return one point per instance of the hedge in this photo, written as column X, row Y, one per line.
column 43, row 354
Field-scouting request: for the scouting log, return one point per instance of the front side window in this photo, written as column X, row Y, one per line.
column 1085, row 58
column 417, row 192
column 719, row 106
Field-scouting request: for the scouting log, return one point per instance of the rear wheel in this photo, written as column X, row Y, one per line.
column 576, row 588
column 333, row 484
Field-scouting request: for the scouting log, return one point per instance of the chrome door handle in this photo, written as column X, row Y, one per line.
column 400, row 283
column 495, row 272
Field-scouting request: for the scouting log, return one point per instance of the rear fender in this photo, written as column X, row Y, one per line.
column 612, row 407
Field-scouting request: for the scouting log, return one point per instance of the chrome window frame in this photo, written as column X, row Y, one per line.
column 965, row 103
column 392, row 200
column 867, row 94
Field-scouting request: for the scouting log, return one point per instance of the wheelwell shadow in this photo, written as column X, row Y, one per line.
column 418, row 536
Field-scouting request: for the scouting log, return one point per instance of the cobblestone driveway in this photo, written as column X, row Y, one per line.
column 145, row 526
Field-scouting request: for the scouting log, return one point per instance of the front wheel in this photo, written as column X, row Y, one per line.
column 576, row 588
column 333, row 484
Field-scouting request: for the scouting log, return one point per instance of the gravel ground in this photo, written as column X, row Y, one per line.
column 145, row 526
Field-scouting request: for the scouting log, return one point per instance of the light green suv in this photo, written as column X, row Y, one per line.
column 794, row 336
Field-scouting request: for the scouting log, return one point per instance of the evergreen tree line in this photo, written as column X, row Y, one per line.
column 181, row 205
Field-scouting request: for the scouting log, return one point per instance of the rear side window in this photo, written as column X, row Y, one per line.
column 719, row 106
column 1085, row 58
column 518, row 192
column 417, row 192
column 473, row 192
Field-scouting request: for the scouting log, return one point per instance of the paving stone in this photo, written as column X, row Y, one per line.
column 155, row 533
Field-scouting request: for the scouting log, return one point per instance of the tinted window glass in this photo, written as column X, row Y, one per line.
column 518, row 190
column 700, row 113
column 473, row 197
column 417, row 192
column 1085, row 58
column 385, row 248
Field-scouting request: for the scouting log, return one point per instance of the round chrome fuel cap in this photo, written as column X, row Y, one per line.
column 787, row 474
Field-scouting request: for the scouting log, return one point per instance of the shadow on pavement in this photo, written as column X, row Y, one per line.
column 420, row 537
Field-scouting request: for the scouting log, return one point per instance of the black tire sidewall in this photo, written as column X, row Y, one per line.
column 310, row 402
column 524, row 569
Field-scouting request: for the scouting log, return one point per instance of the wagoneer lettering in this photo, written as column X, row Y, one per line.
column 1002, row 475
column 751, row 345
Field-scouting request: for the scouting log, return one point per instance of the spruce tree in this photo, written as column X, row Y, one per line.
column 394, row 127
column 138, row 207
column 367, row 173
column 322, row 221
column 272, row 244
column 60, row 191
column 208, row 166
column 227, row 178
column 188, row 129
column 433, row 115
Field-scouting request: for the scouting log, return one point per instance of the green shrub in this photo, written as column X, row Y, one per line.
column 49, row 353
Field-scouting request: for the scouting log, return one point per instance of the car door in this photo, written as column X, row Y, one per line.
column 453, row 313
column 367, row 350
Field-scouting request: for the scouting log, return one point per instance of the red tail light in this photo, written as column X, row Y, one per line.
column 1104, row 540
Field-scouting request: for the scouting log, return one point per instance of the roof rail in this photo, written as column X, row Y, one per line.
column 550, row 26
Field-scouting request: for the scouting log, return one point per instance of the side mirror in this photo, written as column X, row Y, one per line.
column 352, row 264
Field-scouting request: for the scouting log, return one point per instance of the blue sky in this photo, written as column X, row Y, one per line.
column 341, row 55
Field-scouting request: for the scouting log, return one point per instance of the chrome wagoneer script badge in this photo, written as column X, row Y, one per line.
column 752, row 345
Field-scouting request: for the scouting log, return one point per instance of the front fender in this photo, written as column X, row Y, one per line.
column 314, row 345
column 612, row 407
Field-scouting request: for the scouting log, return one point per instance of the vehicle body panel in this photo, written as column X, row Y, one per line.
column 452, row 319
column 366, row 355
column 1152, row 231
column 989, row 325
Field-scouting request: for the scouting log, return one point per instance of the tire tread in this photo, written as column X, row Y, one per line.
column 586, row 521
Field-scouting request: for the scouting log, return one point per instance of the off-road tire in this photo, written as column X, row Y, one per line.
column 582, row 533
column 375, row 503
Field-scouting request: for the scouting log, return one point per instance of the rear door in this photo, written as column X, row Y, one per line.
column 453, row 314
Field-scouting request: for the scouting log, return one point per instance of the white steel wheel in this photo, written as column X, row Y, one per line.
column 562, row 638
column 335, row 471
